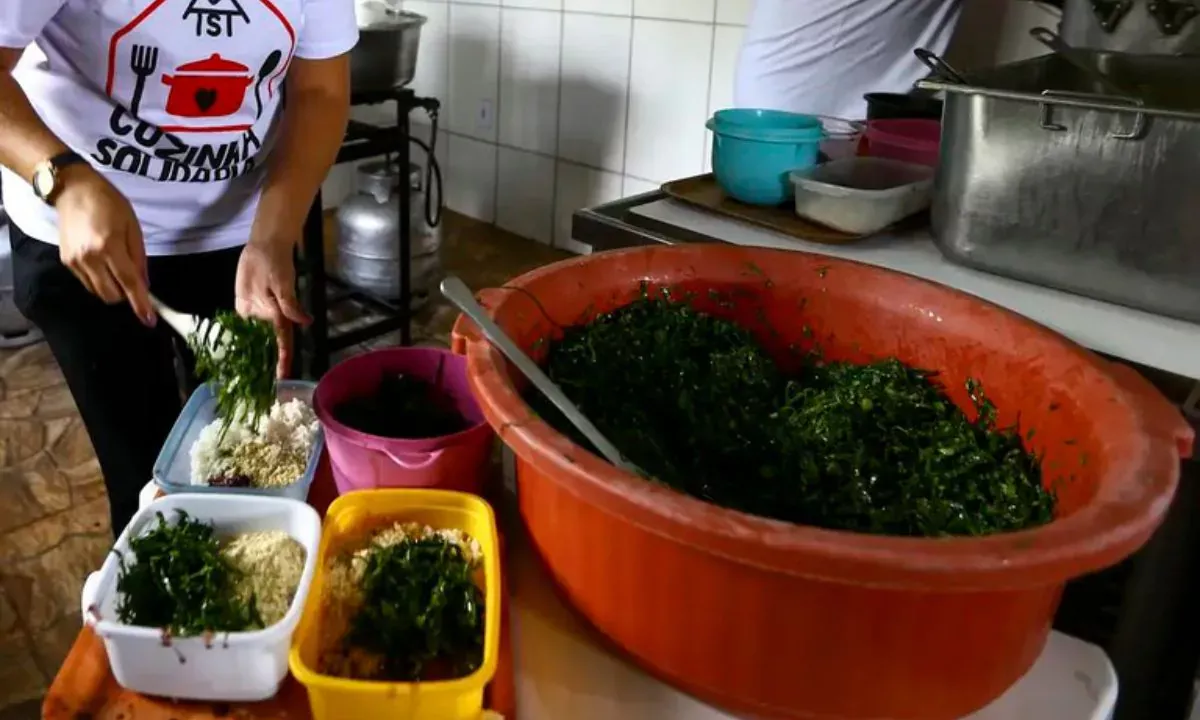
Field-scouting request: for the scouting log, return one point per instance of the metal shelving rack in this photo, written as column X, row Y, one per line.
column 320, row 290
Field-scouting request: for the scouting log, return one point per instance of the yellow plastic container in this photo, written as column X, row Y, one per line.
column 333, row 698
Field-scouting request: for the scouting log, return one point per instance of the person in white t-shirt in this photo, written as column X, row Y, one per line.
column 146, row 148
column 822, row 56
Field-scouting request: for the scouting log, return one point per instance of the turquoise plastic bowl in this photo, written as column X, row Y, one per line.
column 767, row 123
column 755, row 150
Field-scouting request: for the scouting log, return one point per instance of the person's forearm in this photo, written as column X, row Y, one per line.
column 25, row 141
column 314, row 125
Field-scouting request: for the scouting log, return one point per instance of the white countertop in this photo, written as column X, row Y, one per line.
column 1139, row 337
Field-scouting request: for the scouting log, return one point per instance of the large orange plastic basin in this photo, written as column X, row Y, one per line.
column 780, row 620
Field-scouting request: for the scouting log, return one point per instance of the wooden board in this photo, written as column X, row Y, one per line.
column 85, row 688
column 703, row 192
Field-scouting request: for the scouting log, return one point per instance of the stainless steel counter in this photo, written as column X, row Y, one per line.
column 1150, row 340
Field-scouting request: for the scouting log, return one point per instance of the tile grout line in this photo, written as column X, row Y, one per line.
column 444, row 112
column 496, row 114
column 539, row 153
column 628, row 104
column 686, row 21
column 556, row 157
column 712, row 68
column 562, row 33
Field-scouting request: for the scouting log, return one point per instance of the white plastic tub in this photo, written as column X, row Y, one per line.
column 232, row 667
column 862, row 195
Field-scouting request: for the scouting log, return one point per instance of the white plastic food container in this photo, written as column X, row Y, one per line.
column 231, row 667
column 862, row 195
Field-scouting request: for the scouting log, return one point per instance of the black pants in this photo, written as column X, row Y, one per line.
column 127, row 379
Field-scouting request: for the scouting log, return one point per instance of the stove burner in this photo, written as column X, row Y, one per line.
column 1172, row 15
column 1110, row 12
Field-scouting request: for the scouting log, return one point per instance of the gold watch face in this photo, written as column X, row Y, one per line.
column 43, row 181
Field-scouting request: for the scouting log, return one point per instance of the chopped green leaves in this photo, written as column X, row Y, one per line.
column 876, row 448
column 422, row 612
column 179, row 581
column 243, row 374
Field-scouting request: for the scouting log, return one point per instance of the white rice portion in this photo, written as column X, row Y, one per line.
column 281, row 440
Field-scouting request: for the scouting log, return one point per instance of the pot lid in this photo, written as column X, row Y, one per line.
column 213, row 63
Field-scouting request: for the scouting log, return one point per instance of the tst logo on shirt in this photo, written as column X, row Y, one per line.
column 216, row 18
column 208, row 68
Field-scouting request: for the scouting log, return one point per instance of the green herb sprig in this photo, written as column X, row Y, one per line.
column 422, row 611
column 243, row 375
column 179, row 581
column 878, row 448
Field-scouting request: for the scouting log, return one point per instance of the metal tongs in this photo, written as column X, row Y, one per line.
column 1052, row 40
column 944, row 72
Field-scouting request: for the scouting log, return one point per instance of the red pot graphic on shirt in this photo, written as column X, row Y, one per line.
column 213, row 87
column 223, row 59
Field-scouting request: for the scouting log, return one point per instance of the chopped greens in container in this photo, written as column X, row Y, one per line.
column 406, row 607
column 185, row 580
column 403, row 406
column 879, row 448
column 178, row 581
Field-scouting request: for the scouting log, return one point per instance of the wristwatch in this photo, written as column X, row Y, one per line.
column 45, row 176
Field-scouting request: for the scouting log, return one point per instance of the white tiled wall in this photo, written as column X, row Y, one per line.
column 553, row 105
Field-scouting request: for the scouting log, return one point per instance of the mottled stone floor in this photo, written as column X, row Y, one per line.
column 53, row 510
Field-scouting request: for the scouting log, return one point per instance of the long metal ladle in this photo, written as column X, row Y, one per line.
column 457, row 292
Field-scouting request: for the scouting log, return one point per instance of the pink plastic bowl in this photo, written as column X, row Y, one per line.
column 909, row 140
column 361, row 461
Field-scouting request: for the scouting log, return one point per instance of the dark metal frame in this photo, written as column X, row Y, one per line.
column 362, row 141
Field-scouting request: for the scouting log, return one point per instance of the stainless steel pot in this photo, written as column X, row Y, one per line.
column 1152, row 27
column 368, row 248
column 386, row 54
column 1044, row 178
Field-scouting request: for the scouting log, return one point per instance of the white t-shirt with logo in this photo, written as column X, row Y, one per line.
column 177, row 102
column 822, row 56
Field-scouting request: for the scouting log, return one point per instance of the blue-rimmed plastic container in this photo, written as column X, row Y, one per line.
column 755, row 150
column 778, row 124
column 173, row 468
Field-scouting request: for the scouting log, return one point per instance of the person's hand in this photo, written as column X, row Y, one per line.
column 266, row 289
column 100, row 240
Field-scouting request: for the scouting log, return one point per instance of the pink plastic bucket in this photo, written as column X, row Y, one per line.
column 908, row 140
column 361, row 461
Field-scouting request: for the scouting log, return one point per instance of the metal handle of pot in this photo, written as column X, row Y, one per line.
column 1135, row 105
column 1100, row 102
column 407, row 464
column 938, row 66
column 1191, row 406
